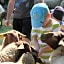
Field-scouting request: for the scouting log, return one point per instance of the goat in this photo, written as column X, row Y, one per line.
column 11, row 36
column 52, row 38
column 56, row 41
column 26, row 58
column 13, row 51
column 8, row 53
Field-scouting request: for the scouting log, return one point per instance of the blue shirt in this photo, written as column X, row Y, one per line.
column 38, row 13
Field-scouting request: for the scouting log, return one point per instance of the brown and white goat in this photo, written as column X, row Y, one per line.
column 9, row 53
column 11, row 36
column 56, row 41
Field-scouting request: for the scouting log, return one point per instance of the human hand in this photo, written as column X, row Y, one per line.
column 7, row 23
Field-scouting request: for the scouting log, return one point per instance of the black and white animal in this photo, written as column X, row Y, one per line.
column 56, row 41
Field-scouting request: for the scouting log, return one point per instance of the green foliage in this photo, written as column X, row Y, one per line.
column 4, row 28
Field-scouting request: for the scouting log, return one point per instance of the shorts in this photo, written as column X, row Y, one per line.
column 23, row 26
column 39, row 31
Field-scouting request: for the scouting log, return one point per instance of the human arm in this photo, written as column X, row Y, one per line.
column 62, row 26
column 47, row 20
column 10, row 9
column 43, row 50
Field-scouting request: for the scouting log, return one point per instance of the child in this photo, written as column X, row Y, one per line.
column 57, row 17
column 42, row 22
column 40, row 16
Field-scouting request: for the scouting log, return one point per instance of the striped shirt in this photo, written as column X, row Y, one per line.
column 52, row 27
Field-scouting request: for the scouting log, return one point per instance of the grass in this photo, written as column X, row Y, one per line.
column 3, row 29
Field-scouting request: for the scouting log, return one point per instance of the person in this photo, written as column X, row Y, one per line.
column 42, row 23
column 21, row 16
column 56, row 19
column 40, row 15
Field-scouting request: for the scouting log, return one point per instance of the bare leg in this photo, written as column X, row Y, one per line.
column 44, row 49
column 35, row 43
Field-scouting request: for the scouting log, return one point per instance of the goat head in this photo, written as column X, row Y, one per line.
column 52, row 38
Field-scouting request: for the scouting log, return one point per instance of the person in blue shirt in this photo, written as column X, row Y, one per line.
column 40, row 15
column 43, row 21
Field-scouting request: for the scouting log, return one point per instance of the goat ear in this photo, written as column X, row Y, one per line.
column 21, row 35
column 3, row 35
column 60, row 33
column 61, row 42
column 21, row 46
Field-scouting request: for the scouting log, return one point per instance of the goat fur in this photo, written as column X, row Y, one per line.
column 8, row 54
column 13, row 51
column 26, row 58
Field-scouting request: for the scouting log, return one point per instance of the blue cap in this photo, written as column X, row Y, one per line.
column 38, row 13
